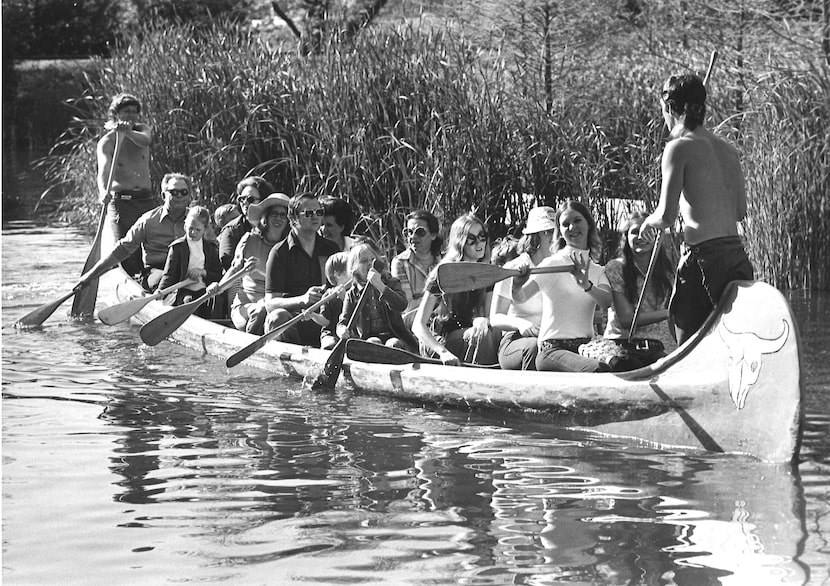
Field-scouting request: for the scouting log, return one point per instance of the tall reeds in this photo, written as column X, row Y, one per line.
column 404, row 118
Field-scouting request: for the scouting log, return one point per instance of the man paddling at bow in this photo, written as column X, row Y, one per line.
column 152, row 234
column 130, row 193
column 704, row 182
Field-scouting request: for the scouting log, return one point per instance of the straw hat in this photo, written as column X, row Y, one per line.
column 540, row 219
column 257, row 210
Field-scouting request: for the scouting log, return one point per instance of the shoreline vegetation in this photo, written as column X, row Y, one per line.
column 410, row 116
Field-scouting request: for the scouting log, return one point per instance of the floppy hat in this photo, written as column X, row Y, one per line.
column 257, row 210
column 540, row 219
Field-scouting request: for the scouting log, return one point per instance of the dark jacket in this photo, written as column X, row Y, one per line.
column 393, row 304
column 229, row 237
column 178, row 257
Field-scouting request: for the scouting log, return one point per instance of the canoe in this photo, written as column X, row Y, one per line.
column 734, row 387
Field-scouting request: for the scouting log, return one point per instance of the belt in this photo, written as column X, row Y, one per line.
column 132, row 194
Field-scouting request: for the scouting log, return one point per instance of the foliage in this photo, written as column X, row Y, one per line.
column 408, row 117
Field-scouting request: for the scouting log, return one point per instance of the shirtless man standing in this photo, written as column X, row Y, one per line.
column 131, row 192
column 703, row 181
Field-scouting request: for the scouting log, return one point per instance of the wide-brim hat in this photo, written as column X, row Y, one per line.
column 540, row 219
column 257, row 210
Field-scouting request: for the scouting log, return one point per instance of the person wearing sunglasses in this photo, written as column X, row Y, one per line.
column 455, row 327
column 520, row 321
column 131, row 192
column 270, row 220
column 294, row 272
column 152, row 234
column 249, row 190
column 412, row 266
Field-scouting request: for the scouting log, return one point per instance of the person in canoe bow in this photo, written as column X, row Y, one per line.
column 703, row 181
column 412, row 266
column 152, row 233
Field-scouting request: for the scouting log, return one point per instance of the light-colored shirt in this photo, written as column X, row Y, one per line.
column 412, row 277
column 531, row 308
column 196, row 261
column 154, row 231
column 567, row 310
column 252, row 286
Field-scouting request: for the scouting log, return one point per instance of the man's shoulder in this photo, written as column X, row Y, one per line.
column 155, row 214
column 324, row 246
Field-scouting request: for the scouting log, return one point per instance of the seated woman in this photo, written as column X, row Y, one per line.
column 519, row 321
column 568, row 300
column 193, row 257
column 460, row 329
column 270, row 218
column 626, row 274
column 338, row 222
column 380, row 318
column 413, row 265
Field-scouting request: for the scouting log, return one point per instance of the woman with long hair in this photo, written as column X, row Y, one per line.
column 460, row 329
column 569, row 300
column 626, row 274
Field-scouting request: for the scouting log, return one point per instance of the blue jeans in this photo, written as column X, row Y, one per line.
column 517, row 352
column 563, row 356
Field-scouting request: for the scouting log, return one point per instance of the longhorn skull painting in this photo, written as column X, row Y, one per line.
column 745, row 352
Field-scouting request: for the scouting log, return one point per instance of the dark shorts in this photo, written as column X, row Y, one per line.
column 703, row 273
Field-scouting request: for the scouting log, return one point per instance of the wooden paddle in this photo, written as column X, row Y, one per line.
column 42, row 313
column 248, row 350
column 158, row 328
column 457, row 277
column 331, row 369
column 363, row 351
column 84, row 303
column 123, row 311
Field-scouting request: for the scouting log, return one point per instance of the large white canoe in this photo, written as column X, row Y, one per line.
column 734, row 387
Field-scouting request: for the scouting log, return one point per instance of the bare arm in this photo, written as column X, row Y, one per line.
column 104, row 152
column 424, row 334
column 625, row 312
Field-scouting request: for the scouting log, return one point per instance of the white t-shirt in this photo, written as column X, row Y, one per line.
column 567, row 310
column 197, row 261
column 530, row 309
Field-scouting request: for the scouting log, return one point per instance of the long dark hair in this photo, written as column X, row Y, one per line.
column 433, row 225
column 663, row 276
column 594, row 241
column 686, row 95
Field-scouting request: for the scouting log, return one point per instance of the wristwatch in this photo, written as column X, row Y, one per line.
column 590, row 286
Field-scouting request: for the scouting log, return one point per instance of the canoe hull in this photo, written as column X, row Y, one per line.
column 734, row 387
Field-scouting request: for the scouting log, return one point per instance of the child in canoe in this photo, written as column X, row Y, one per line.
column 336, row 274
column 379, row 318
column 193, row 257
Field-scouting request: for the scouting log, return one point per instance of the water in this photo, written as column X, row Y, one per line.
column 124, row 464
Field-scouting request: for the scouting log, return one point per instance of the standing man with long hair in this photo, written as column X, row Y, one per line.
column 704, row 182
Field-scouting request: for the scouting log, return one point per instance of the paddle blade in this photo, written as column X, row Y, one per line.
column 458, row 277
column 42, row 313
column 363, row 351
column 248, row 350
column 327, row 379
column 158, row 328
column 115, row 314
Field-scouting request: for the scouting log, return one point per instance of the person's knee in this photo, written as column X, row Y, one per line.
column 275, row 319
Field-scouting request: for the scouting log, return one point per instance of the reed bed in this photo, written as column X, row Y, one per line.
column 400, row 119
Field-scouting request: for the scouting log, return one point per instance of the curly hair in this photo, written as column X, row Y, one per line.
column 685, row 95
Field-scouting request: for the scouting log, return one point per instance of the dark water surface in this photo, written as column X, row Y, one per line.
column 124, row 464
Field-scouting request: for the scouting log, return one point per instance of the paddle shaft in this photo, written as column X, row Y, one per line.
column 248, row 350
column 469, row 276
column 123, row 311
column 363, row 351
column 84, row 303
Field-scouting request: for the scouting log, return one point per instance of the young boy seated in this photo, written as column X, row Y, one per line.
column 336, row 274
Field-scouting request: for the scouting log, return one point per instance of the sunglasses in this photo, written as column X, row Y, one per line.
column 472, row 239
column 319, row 212
column 277, row 214
column 178, row 192
column 420, row 232
column 247, row 199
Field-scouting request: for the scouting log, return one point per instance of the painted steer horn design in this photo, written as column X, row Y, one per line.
column 745, row 351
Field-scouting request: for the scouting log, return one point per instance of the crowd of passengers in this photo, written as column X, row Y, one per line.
column 301, row 247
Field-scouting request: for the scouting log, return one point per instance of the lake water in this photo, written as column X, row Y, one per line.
column 124, row 464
